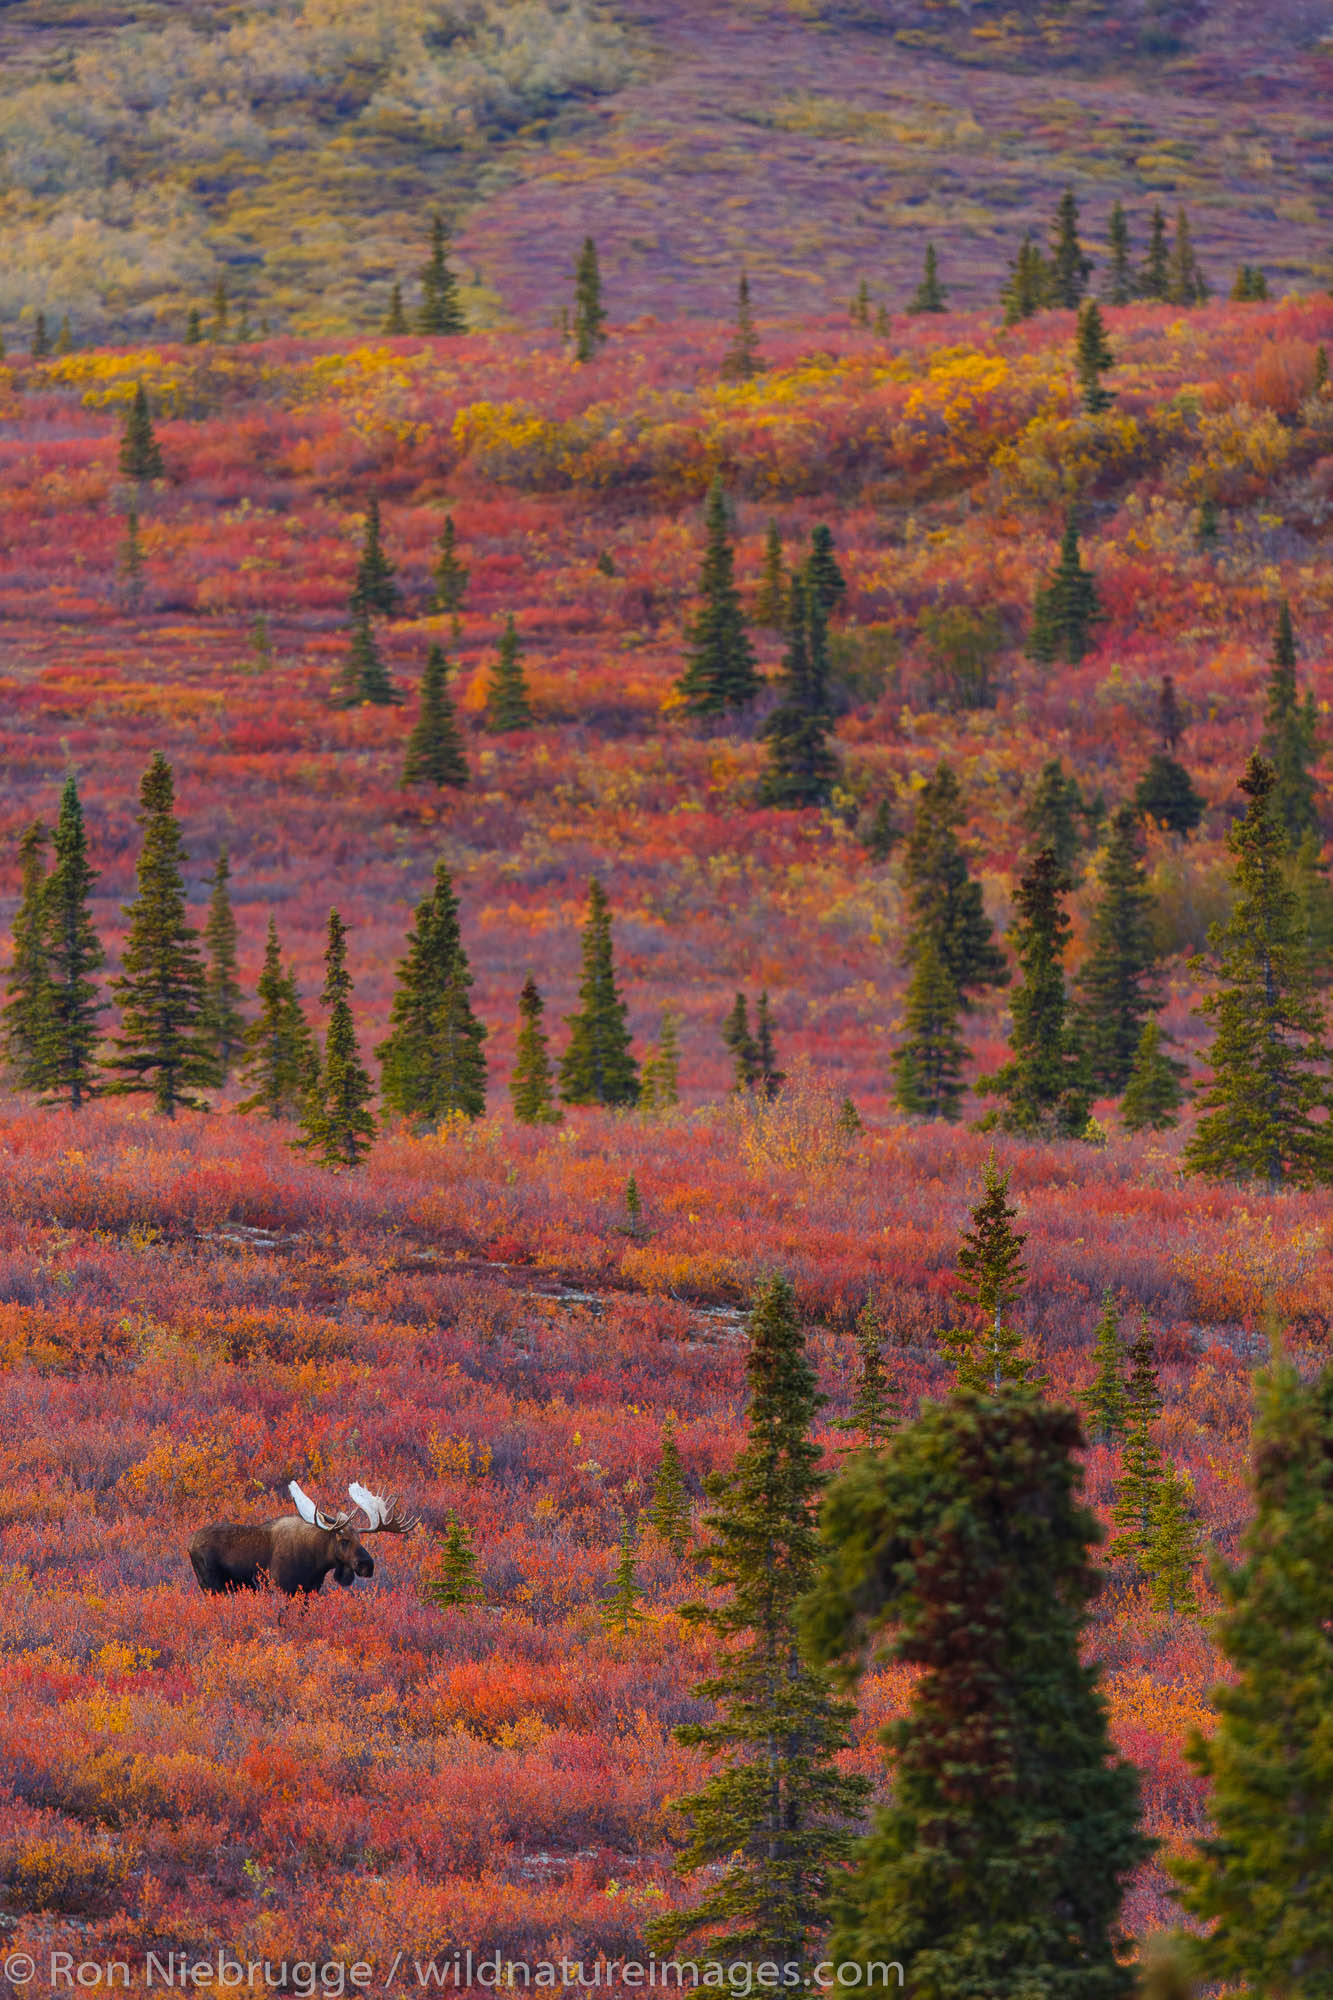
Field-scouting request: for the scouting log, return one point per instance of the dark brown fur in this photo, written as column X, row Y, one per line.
column 293, row 1555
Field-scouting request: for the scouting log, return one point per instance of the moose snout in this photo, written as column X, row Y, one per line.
column 365, row 1565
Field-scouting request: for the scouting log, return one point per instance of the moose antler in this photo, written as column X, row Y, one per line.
column 386, row 1517
column 316, row 1516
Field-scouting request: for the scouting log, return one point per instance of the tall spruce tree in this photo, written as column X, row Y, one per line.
column 771, row 604
column 741, row 1046
column 589, row 311
column 989, row 1353
column 74, row 956
column 597, row 1066
column 435, row 754
column 373, row 589
column 163, row 1047
column 1066, row 606
column 1027, row 288
column 1069, row 265
column 1043, row 1086
column 1269, row 1057
column 223, row 1021
column 1093, row 359
column 998, row 1864
column 930, row 295
column 1185, row 282
column 364, row 679
column 451, row 573
column 1120, row 286
column 1108, row 1405
column 943, row 902
column 507, row 703
column 770, row 1824
column 280, row 1065
column 432, row 1064
column 1155, row 276
column 742, row 361
column 1117, row 985
column 801, row 768
column 1290, row 740
column 41, row 339
column 336, row 1120
column 720, row 672
column 441, row 313
column 27, row 982
column 769, row 1079
column 1153, row 1092
column 530, row 1083
column 928, row 1062
column 140, row 453
column 1262, row 1883
column 1051, row 815
column 825, row 582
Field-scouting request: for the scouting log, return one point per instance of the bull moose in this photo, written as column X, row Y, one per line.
column 297, row 1551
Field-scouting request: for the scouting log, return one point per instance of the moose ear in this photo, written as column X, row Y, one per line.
column 305, row 1506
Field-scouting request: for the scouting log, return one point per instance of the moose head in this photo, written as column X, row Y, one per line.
column 297, row 1551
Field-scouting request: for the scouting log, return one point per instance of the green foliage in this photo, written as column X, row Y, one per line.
column 1051, row 815
column 1155, row 276
column 928, row 1062
column 1027, row 288
column 163, row 1044
column 26, row 1011
column 336, row 1121
column 1107, row 1402
column 623, row 1609
column 1185, row 282
column 1118, row 992
column 1173, row 1550
column 929, row 296
column 1069, row 266
column 597, row 1066
column 373, row 589
column 742, row 361
column 435, row 752
column 41, row 339
column 1166, row 793
column 943, row 902
column 441, row 312
column 589, row 311
column 454, row 1579
column 720, row 671
column 1269, row 1057
column 1153, row 1093
column 825, row 583
column 140, row 454
column 395, row 320
column 801, row 769
column 997, row 1866
column 1141, row 1462
column 875, row 1412
column 1290, row 740
column 451, row 574
column 659, row 1089
column 1043, row 1086
column 990, row 1279
column 1249, row 286
column 770, row 1823
column 1066, row 607
column 1093, row 359
column 507, row 703
column 281, row 1065
column 771, row 600
column 364, row 677
column 1262, row 1882
column 433, row 1065
column 882, row 834
column 740, row 1045
column 131, row 562
column 73, row 954
column 669, row 1510
column 962, row 646
column 1120, row 286
column 530, row 1083
column 223, row 1022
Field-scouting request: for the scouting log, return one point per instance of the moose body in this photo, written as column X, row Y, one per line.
column 296, row 1551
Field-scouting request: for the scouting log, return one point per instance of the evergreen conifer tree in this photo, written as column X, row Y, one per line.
column 221, row 310
column 41, row 339
column 1262, row 1883
column 194, row 331
column 825, row 582
column 801, row 769
column 1093, row 359
column 623, row 1610
column 720, row 672
column 1119, row 270
column 1026, row 289
column 1249, row 285
column 395, row 320
column 1141, row 1464
column 633, row 1206
column 1269, row 1057
column 365, row 679
column 454, row 1580
column 997, row 1866
column 770, row 1822
column 223, row 1023
column 1118, row 993
column 132, row 559
column 1172, row 1553
column 451, row 574
column 660, row 1082
column 507, row 703
column 73, row 956
column 768, row 1077
column 741, row 1046
column 1290, row 738
column 597, row 1066
column 1043, row 1085
column 374, row 589
column 874, row 1414
column 1107, row 1402
column 1170, row 720
column 27, row 982
column 441, row 313
column 1166, row 793
column 65, row 334
column 928, row 1063
column 589, row 311
column 990, row 1279
column 1069, row 266
column 280, row 1065
column 771, row 602
column 140, row 454
column 1185, row 282
column 1153, row 1094
column 742, row 360
column 882, row 834
column 435, row 754
column 336, row 1121
column 943, row 902
column 1051, row 815
column 163, row 1045
column 929, row 296
column 1155, row 276
column 1066, row 607
column 669, row 1509
column 432, row 1064
column 1207, row 524
column 530, row 1084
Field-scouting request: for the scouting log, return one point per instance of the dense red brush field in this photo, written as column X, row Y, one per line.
column 191, row 1314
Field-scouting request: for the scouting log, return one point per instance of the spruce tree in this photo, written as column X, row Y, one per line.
column 1117, row 982
column 1069, row 266
column 530, row 1084
column 1166, row 793
column 1249, row 286
column 1170, row 719
column 194, row 328
column 1185, row 282
column 507, row 703
column 1051, row 815
column 597, row 1066
column 1269, row 1058
column 451, row 574
column 395, row 320
column 943, row 902
column 589, row 312
column 1207, row 524
column 1261, row 1884
column 140, row 454
column 1043, row 1086
column 373, row 589
column 27, row 1010
column 720, row 672
column 1155, row 275
column 623, row 1609
column 364, row 679
column 1027, row 288
column 1172, row 1552
column 73, row 956
column 929, row 296
column 280, row 1064
column 874, row 1413
column 1120, row 286
column 1141, row 1463
column 41, row 339
column 928, row 1063
column 659, row 1090
column 769, row 1079
column 669, row 1509
column 1066, row 607
column 801, row 769
column 772, row 601
column 742, row 361
column 825, row 582
column 882, row 833
column 163, row 1045
column 435, row 754
column 741, row 1046
column 65, row 337
column 990, row 1278
column 132, row 559
column 221, row 310
column 769, row 1824
column 1093, row 359
column 1153, row 1093
column 454, row 1580
column 336, row 1121
column 432, row 1064
column 1290, row 739
column 223, row 1023
column 441, row 313
column 996, row 1868
column 1107, row 1402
